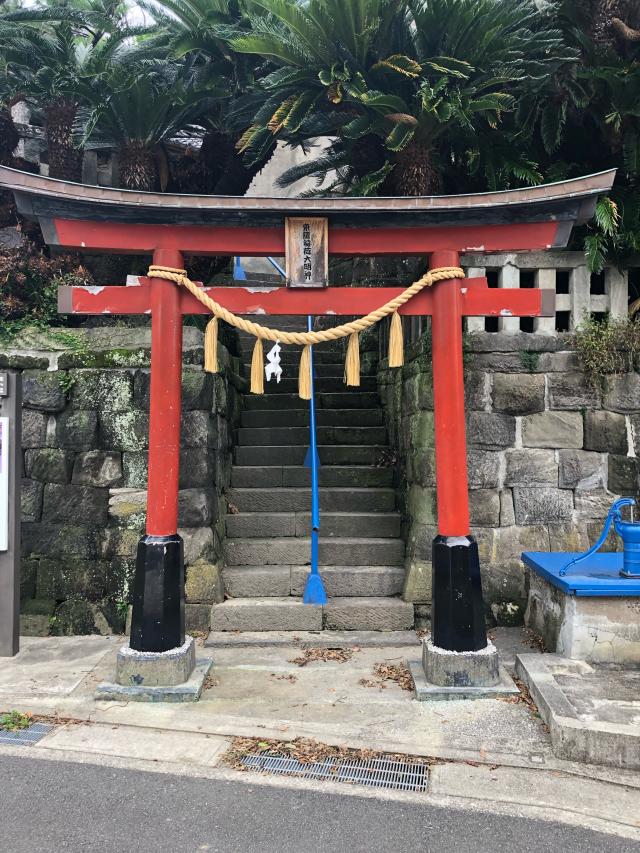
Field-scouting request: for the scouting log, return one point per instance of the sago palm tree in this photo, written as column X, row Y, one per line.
column 50, row 52
column 401, row 77
column 139, row 107
column 195, row 32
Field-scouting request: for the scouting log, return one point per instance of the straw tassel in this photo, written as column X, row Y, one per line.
column 257, row 368
column 304, row 374
column 211, row 346
column 396, row 342
column 352, row 361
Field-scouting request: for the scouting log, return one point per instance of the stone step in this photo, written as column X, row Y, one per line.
column 353, row 581
column 343, row 581
column 259, row 525
column 315, row 639
column 323, row 384
column 345, row 399
column 321, row 355
column 350, row 454
column 265, row 614
column 367, row 614
column 296, row 476
column 299, row 500
column 321, row 371
column 300, row 417
column 290, row 356
column 297, row 551
column 290, row 614
column 328, row 435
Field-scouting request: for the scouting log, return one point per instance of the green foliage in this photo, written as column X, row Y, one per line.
column 66, row 381
column 606, row 347
column 14, row 721
column 408, row 72
column 530, row 360
column 29, row 284
column 417, row 96
column 72, row 342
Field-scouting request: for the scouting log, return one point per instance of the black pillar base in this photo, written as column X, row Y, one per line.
column 457, row 610
column 157, row 622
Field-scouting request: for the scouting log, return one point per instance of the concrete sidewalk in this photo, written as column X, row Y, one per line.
column 486, row 752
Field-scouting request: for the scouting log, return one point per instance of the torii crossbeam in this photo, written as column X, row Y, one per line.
column 167, row 226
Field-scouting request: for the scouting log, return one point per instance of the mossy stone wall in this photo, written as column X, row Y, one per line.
column 85, row 434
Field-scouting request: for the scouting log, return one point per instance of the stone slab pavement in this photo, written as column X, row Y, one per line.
column 488, row 753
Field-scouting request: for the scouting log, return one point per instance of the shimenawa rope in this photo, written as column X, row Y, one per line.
column 304, row 339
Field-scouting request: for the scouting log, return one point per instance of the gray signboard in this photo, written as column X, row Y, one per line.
column 10, row 480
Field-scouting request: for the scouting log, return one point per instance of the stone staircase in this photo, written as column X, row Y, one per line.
column 267, row 549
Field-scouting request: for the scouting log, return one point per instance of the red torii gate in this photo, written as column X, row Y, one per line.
column 168, row 226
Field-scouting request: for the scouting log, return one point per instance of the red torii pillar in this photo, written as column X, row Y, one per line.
column 458, row 620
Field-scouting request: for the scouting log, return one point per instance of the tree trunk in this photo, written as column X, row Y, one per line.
column 604, row 13
column 415, row 172
column 199, row 171
column 9, row 137
column 236, row 176
column 368, row 155
column 138, row 167
column 65, row 160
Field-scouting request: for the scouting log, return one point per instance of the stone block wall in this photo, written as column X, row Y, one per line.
column 547, row 455
column 85, row 428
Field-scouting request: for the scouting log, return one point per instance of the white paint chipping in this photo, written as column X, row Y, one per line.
column 488, row 650
column 518, row 437
column 631, row 451
column 127, row 651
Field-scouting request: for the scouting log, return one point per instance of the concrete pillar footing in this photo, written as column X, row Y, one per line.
column 444, row 674
column 171, row 676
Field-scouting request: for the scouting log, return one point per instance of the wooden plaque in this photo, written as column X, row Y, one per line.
column 307, row 251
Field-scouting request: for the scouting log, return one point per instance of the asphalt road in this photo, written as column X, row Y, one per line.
column 51, row 807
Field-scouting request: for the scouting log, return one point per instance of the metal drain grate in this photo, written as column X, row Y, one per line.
column 375, row 772
column 26, row 737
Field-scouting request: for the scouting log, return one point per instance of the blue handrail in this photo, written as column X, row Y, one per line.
column 240, row 275
column 314, row 591
column 277, row 266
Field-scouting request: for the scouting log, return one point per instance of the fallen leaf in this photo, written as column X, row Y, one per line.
column 326, row 655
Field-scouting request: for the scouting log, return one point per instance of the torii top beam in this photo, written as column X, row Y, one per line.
column 92, row 218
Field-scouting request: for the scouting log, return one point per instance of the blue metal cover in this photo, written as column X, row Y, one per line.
column 599, row 575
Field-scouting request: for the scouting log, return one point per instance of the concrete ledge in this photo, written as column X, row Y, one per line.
column 581, row 736
column 189, row 691
column 426, row 692
column 598, row 629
